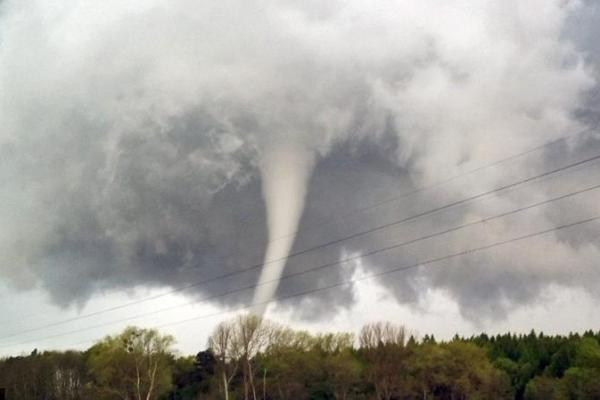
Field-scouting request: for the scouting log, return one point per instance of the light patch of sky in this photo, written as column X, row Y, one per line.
column 438, row 314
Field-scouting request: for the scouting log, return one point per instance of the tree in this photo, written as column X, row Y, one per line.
column 290, row 372
column 582, row 381
column 542, row 388
column 251, row 334
column 384, row 347
column 193, row 376
column 344, row 372
column 44, row 376
column 132, row 365
column 221, row 344
column 69, row 374
column 254, row 359
column 235, row 344
column 458, row 370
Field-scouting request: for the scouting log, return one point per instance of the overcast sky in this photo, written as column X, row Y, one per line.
column 147, row 145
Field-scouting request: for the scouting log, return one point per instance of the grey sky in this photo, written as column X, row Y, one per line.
column 133, row 136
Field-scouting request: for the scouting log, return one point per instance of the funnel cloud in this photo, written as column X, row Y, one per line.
column 285, row 172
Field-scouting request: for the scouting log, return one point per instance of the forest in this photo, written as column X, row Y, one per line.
column 253, row 359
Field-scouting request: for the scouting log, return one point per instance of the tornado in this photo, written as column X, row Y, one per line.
column 285, row 168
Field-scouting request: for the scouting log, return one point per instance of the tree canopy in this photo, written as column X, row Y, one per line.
column 253, row 359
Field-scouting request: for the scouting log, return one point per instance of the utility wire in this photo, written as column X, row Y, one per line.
column 442, row 182
column 320, row 267
column 340, row 240
column 352, row 281
column 328, row 265
column 365, row 232
column 391, row 271
column 352, row 212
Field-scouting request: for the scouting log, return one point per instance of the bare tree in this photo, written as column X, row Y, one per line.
column 221, row 343
column 344, row 372
column 236, row 343
column 384, row 345
column 380, row 334
column 333, row 343
column 252, row 334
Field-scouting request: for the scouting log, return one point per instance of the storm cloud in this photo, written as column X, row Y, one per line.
column 133, row 137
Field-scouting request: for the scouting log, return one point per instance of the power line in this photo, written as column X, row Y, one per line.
column 351, row 281
column 387, row 272
column 343, row 239
column 443, row 182
column 380, row 227
column 323, row 266
column 353, row 212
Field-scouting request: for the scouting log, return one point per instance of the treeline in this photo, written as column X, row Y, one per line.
column 249, row 358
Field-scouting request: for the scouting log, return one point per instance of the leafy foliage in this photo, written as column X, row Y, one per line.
column 248, row 358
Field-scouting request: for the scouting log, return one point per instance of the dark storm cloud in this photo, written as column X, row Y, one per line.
column 132, row 139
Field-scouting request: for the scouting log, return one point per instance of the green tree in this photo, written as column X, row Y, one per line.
column 459, row 370
column 344, row 372
column 135, row 364
column 221, row 345
column 543, row 388
column 582, row 381
column 193, row 376
column 291, row 365
column 383, row 346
